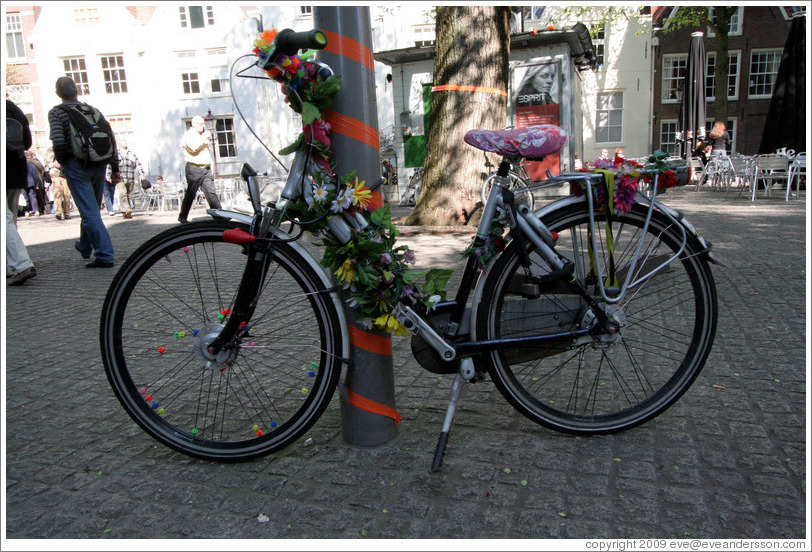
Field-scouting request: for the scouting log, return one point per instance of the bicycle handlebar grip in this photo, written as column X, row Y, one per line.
column 289, row 42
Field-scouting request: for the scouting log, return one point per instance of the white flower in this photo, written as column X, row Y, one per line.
column 342, row 201
column 321, row 192
column 432, row 301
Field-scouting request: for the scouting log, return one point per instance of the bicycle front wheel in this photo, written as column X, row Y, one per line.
column 172, row 297
column 607, row 383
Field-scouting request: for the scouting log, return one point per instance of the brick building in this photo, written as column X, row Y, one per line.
column 756, row 43
column 22, row 77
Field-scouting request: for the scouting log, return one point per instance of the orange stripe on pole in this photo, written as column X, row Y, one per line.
column 379, row 344
column 353, row 128
column 349, row 48
column 371, row 406
column 466, row 88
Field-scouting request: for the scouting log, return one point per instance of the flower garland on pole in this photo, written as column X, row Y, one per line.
column 370, row 266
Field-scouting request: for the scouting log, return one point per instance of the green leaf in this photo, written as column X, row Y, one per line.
column 382, row 216
column 295, row 146
column 309, row 113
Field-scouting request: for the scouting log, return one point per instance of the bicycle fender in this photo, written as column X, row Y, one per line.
column 326, row 283
column 705, row 246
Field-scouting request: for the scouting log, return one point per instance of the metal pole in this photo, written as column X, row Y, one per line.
column 367, row 394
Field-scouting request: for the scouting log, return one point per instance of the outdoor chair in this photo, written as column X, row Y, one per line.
column 717, row 172
column 797, row 170
column 742, row 172
column 697, row 170
column 769, row 168
column 170, row 194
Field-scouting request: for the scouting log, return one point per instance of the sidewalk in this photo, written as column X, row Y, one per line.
column 727, row 461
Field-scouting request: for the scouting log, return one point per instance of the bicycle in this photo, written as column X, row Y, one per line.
column 519, row 182
column 224, row 338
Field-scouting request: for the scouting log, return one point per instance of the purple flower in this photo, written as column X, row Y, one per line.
column 408, row 256
column 386, row 258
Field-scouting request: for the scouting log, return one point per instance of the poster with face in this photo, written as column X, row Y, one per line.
column 536, row 100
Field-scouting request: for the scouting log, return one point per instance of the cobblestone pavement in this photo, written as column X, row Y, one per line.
column 727, row 461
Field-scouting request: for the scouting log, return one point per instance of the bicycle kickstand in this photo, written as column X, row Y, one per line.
column 467, row 368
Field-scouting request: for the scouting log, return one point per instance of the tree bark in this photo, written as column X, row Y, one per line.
column 472, row 48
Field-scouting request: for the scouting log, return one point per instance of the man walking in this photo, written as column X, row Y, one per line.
column 131, row 174
column 19, row 267
column 198, row 167
column 86, row 177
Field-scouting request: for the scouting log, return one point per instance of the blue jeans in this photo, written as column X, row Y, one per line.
column 110, row 197
column 87, row 188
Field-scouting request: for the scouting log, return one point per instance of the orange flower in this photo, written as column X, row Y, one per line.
column 268, row 36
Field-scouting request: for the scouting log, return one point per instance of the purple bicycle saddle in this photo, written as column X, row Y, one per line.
column 532, row 142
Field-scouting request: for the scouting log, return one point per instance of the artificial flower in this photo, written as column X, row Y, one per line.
column 391, row 325
column 319, row 131
column 345, row 272
column 322, row 191
column 361, row 195
column 342, row 201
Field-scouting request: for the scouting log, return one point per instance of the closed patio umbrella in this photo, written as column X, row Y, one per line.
column 692, row 102
column 786, row 118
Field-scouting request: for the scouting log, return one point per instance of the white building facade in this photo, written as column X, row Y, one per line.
column 151, row 68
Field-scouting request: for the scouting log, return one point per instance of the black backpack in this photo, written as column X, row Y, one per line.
column 15, row 143
column 91, row 135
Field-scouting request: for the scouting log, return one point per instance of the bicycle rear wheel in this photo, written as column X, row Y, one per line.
column 611, row 383
column 171, row 297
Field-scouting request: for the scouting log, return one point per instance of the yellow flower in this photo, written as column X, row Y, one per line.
column 361, row 195
column 392, row 325
column 345, row 272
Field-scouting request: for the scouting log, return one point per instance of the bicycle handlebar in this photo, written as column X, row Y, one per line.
column 289, row 42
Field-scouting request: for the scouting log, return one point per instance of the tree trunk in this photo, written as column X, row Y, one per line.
column 722, row 30
column 472, row 49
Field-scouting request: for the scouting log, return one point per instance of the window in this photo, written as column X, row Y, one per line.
column 216, row 51
column 196, row 17
column 75, row 68
column 21, row 95
column 121, row 124
column 609, row 122
column 423, row 35
column 305, row 12
column 668, row 137
column 86, row 16
column 673, row 75
column 115, row 79
column 763, row 70
column 735, row 26
column 191, row 83
column 219, row 85
column 185, row 53
column 224, row 135
column 598, row 32
column 732, row 76
column 15, row 45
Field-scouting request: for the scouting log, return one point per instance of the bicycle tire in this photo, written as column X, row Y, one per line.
column 670, row 323
column 256, row 399
column 523, row 196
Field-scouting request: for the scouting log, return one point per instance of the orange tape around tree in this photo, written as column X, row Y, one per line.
column 349, row 48
column 371, row 406
column 466, row 88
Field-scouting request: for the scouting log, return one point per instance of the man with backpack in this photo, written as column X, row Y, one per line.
column 19, row 267
column 84, row 144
